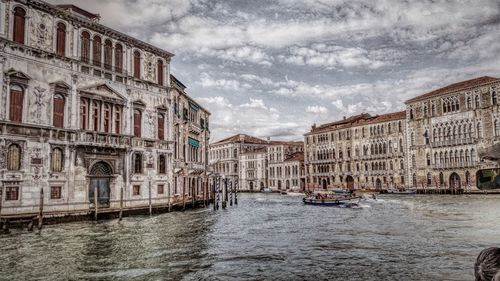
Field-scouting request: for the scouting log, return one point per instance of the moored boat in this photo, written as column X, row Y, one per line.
column 402, row 192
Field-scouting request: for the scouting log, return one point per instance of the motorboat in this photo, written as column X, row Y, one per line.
column 266, row 190
column 331, row 199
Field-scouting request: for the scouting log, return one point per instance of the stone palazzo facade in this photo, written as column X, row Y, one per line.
column 446, row 129
column 361, row 151
column 286, row 165
column 84, row 109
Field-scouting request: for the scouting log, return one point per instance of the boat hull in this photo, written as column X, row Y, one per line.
column 350, row 202
column 407, row 192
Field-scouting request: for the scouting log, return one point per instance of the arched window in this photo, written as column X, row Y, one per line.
column 84, row 109
column 469, row 102
column 441, row 178
column 476, row 100
column 162, row 165
column 96, row 51
column 108, row 54
column 58, row 111
column 413, row 162
column 479, row 130
column 57, row 160
column 493, row 97
column 14, row 158
column 137, row 163
column 429, row 179
column 16, row 104
column 467, row 177
column 161, row 126
column 85, row 47
column 118, row 58
column 160, row 72
column 137, row 65
column 61, row 39
column 401, row 165
column 496, row 127
column 137, row 123
column 118, row 119
column 95, row 116
column 107, row 118
column 19, row 25
column 428, row 159
column 414, row 180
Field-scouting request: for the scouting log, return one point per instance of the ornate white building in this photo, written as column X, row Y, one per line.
column 253, row 169
column 82, row 107
column 286, row 165
column 446, row 129
column 361, row 151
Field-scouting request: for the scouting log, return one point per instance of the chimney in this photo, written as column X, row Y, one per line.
column 344, row 118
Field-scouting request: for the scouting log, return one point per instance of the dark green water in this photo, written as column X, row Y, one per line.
column 267, row 237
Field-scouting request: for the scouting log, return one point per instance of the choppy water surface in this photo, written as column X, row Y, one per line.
column 267, row 236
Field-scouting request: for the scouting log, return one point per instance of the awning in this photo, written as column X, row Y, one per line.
column 194, row 106
column 193, row 142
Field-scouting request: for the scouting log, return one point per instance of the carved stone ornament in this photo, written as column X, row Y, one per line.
column 39, row 104
column 41, row 31
column 149, row 67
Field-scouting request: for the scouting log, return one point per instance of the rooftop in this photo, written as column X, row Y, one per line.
column 241, row 138
column 455, row 87
column 297, row 156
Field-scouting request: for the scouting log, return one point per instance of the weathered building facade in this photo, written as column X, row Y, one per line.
column 285, row 165
column 358, row 152
column 83, row 109
column 191, row 137
column 447, row 127
column 253, row 172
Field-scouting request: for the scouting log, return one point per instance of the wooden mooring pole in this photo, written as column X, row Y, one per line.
column 231, row 193
column 95, row 203
column 183, row 194
column 120, row 216
column 168, row 190
column 224, row 194
column 193, row 191
column 236, row 185
column 150, row 203
column 40, row 210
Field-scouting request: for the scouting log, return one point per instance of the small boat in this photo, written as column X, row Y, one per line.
column 329, row 199
column 402, row 192
column 266, row 190
column 292, row 193
column 341, row 191
column 283, row 192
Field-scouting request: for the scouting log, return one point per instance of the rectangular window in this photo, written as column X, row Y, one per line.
column 160, row 189
column 55, row 192
column 136, row 190
column 12, row 193
column 137, row 123
column 161, row 127
column 16, row 106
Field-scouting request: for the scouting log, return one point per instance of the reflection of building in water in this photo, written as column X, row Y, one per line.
column 83, row 108
column 361, row 151
column 447, row 127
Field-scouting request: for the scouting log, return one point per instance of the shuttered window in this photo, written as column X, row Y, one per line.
column 84, row 108
column 95, row 116
column 61, row 39
column 57, row 160
column 14, row 158
column 19, row 25
column 118, row 118
column 16, row 105
column 108, row 54
column 160, row 72
column 137, row 65
column 137, row 123
column 162, row 165
column 96, row 51
column 107, row 118
column 58, row 114
column 85, row 48
column 118, row 58
column 161, row 126
column 137, row 163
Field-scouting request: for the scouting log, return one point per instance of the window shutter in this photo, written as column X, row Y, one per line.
column 118, row 58
column 160, row 72
column 137, row 123
column 61, row 39
column 19, row 25
column 16, row 106
column 58, row 112
column 85, row 47
column 137, row 65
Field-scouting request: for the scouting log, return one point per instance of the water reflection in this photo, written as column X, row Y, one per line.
column 267, row 237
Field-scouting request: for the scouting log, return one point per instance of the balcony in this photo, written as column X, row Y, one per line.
column 469, row 164
column 29, row 130
column 454, row 142
column 103, row 139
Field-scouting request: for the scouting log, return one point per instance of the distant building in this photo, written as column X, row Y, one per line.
column 447, row 127
column 253, row 171
column 361, row 151
column 286, row 167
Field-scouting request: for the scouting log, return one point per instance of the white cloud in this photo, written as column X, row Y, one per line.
column 208, row 81
column 316, row 109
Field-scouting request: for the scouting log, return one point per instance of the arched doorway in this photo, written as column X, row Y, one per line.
column 350, row 182
column 100, row 175
column 251, row 186
column 454, row 181
column 192, row 188
column 287, row 184
column 262, row 186
column 279, row 184
column 324, row 184
column 378, row 184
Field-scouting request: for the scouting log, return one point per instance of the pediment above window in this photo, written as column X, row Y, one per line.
column 102, row 92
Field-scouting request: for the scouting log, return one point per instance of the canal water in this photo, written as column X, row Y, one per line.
column 267, row 237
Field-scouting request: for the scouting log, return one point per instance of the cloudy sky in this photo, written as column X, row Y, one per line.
column 273, row 68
